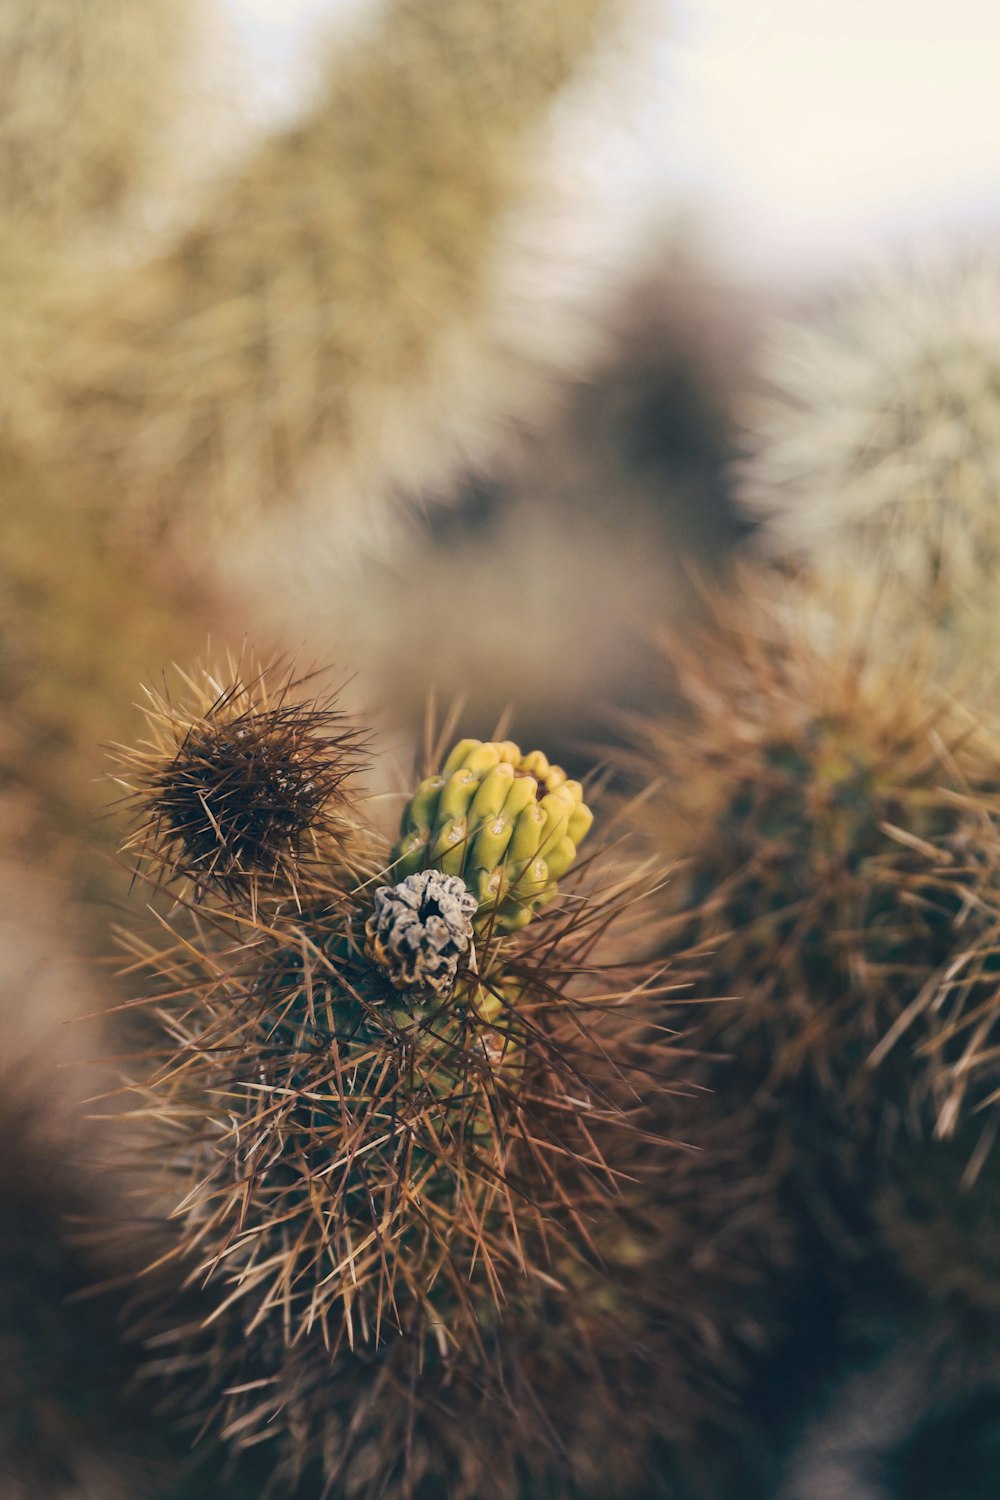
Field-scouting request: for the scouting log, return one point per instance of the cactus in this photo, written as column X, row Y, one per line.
column 79, row 624
column 877, row 452
column 653, row 426
column 391, row 1119
column 838, row 822
column 507, row 823
column 86, row 92
column 335, row 321
column 86, row 89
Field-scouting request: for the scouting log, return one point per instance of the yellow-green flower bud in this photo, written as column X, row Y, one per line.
column 508, row 824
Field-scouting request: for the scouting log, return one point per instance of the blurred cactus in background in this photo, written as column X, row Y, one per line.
column 876, row 451
column 537, row 586
column 78, row 626
column 86, row 94
column 87, row 91
column 836, row 818
column 336, row 323
column 838, row 824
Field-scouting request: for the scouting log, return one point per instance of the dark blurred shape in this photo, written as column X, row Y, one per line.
column 538, row 591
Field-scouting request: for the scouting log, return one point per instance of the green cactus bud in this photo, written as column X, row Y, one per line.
column 522, row 914
column 450, row 846
column 420, row 808
column 490, row 846
column 527, row 836
column 456, row 796
column 560, row 858
column 582, row 817
column 535, row 881
column 410, row 854
column 493, row 792
column 536, row 764
column 557, row 811
column 483, row 759
column 508, row 824
column 458, row 756
column 487, row 885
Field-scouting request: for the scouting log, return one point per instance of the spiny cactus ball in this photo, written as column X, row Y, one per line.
column 508, row 824
column 239, row 780
column 421, row 929
column 879, row 447
column 839, row 822
column 384, row 1133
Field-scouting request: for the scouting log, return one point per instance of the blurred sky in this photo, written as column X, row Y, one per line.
column 803, row 131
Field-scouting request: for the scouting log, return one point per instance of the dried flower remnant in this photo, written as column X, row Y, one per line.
column 421, row 929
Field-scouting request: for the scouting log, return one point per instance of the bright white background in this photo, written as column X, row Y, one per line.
column 795, row 129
